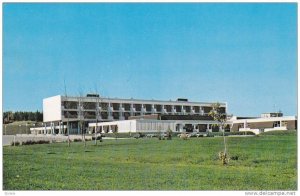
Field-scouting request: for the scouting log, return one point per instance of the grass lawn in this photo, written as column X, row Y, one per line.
column 267, row 162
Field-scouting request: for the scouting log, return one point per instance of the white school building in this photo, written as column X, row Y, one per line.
column 64, row 115
column 60, row 111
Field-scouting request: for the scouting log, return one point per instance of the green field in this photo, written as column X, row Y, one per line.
column 266, row 162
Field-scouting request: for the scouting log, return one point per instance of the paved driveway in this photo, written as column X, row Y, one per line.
column 7, row 139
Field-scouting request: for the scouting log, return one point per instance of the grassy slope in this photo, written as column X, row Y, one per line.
column 265, row 163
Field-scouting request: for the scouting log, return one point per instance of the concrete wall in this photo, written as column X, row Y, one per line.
column 123, row 126
column 291, row 124
column 155, row 126
column 147, row 125
column 129, row 126
column 52, row 109
column 260, row 125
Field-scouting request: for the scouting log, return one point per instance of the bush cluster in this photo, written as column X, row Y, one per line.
column 138, row 135
column 30, row 142
column 184, row 136
column 97, row 138
column 16, row 143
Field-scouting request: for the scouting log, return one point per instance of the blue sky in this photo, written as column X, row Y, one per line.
column 244, row 54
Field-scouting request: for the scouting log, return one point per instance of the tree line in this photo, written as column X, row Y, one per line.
column 9, row 116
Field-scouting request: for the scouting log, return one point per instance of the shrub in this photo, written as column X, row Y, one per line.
column 42, row 142
column 28, row 142
column 136, row 136
column 32, row 142
column 223, row 158
column 16, row 143
column 141, row 134
column 97, row 138
column 234, row 158
column 184, row 136
column 169, row 134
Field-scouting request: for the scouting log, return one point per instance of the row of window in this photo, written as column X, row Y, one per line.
column 275, row 124
column 103, row 115
column 137, row 107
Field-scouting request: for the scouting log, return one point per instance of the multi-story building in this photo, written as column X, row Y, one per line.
column 60, row 110
column 73, row 115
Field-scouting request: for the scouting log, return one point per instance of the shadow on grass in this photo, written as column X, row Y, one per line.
column 89, row 151
column 103, row 144
column 51, row 153
column 22, row 154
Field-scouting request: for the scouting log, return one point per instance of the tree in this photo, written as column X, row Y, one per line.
column 31, row 116
column 37, row 116
column 10, row 116
column 98, row 115
column 115, row 132
column 220, row 116
column 169, row 133
column 82, row 114
column 66, row 105
column 25, row 116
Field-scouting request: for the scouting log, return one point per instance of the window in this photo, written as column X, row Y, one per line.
column 158, row 108
column 115, row 106
column 168, row 108
column 104, row 106
column 89, row 105
column 197, row 109
column 126, row 106
column 148, row 107
column 70, row 104
column 137, row 107
column 187, row 108
column 178, row 108
column 276, row 124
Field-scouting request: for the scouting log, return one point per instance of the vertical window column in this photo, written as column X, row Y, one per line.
column 109, row 111
column 121, row 112
column 132, row 110
column 182, row 110
column 173, row 109
column 153, row 110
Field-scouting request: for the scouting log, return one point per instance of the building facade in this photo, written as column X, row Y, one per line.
column 61, row 110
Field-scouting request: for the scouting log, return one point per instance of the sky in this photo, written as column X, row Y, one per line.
column 243, row 54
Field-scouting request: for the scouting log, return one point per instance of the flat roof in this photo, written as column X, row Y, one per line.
column 92, row 99
column 282, row 118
